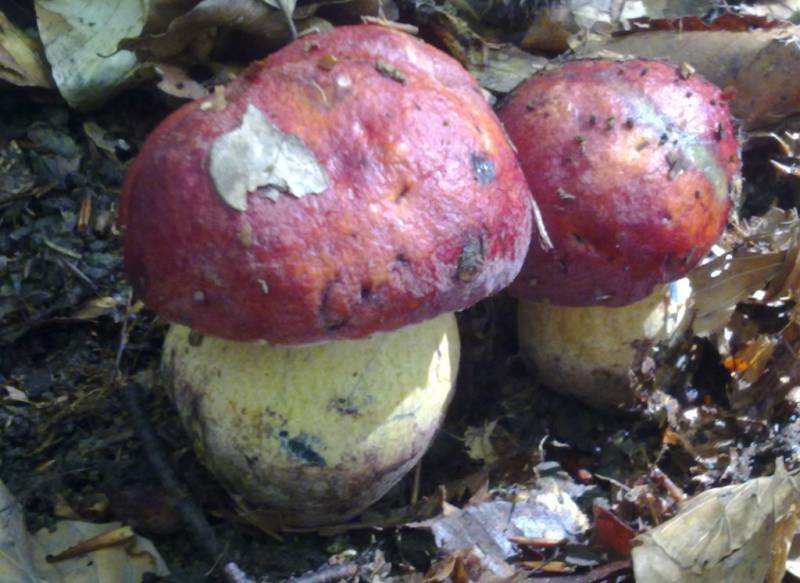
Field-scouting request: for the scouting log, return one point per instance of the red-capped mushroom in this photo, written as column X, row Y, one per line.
column 632, row 164
column 352, row 184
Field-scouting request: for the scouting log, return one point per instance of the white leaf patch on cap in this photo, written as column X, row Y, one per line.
column 257, row 154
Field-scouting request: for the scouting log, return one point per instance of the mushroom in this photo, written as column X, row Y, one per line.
column 632, row 164
column 349, row 193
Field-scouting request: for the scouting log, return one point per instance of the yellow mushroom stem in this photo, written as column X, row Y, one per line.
column 588, row 353
column 312, row 435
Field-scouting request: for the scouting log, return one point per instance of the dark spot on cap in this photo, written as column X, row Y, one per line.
column 401, row 194
column 195, row 338
column 483, row 168
column 473, row 254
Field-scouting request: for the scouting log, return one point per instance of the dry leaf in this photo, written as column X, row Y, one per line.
column 723, row 282
column 487, row 529
column 761, row 67
column 23, row 557
column 724, row 534
column 80, row 41
column 21, row 57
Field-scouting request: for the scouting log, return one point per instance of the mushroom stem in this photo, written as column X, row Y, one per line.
column 312, row 435
column 589, row 352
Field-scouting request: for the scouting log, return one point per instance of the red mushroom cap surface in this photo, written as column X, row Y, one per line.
column 327, row 197
column 632, row 164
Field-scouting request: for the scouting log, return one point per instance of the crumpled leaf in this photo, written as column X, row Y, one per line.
column 21, row 58
column 544, row 512
column 760, row 67
column 724, row 534
column 23, row 557
column 80, row 41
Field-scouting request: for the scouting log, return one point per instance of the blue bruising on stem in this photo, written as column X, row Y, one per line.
column 301, row 448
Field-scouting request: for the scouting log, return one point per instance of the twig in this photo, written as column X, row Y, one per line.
column 416, row 483
column 79, row 274
column 328, row 574
column 192, row 516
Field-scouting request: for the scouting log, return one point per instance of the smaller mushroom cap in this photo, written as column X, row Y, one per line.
column 632, row 164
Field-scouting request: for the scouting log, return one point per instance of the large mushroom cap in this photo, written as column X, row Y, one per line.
column 631, row 164
column 334, row 194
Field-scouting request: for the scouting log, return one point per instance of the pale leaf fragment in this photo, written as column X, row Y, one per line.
column 724, row 534
column 256, row 155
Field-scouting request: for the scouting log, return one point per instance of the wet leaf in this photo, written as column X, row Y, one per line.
column 21, row 57
column 760, row 67
column 111, row 553
column 80, row 41
column 740, row 527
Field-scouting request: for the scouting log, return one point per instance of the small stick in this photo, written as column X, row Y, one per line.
column 416, row 482
column 192, row 516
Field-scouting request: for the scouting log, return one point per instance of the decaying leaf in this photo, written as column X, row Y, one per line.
column 193, row 32
column 80, row 41
column 504, row 67
column 765, row 370
column 760, row 67
column 478, row 443
column 21, row 57
column 487, row 530
column 258, row 154
column 117, row 559
column 724, row 534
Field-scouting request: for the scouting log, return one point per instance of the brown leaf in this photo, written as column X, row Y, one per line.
column 760, row 67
